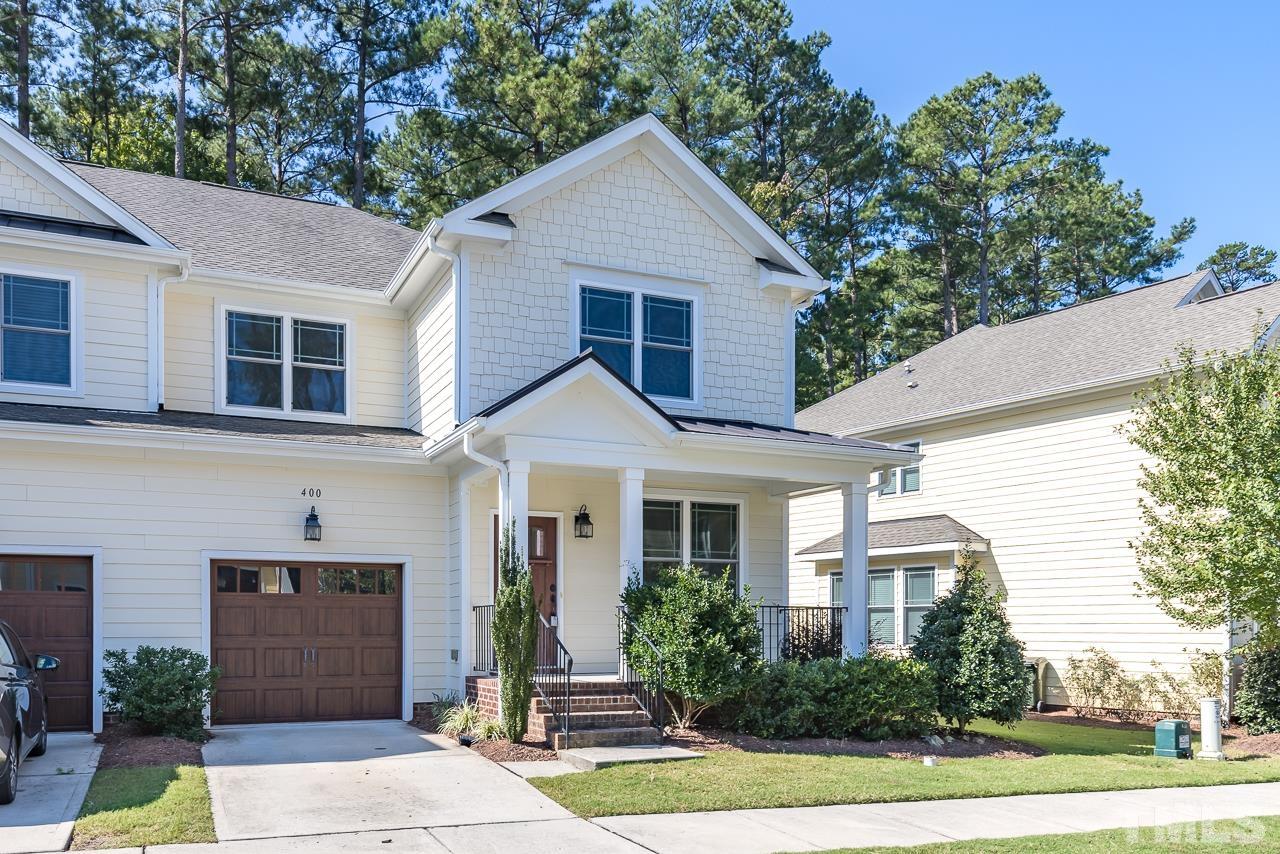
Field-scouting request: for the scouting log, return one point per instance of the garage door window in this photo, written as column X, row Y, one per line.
column 49, row 576
column 374, row 582
column 259, row 579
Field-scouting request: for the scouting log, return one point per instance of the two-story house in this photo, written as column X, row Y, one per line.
column 1025, row 462
column 285, row 433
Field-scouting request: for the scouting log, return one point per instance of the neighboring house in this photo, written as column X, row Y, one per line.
column 284, row 433
column 1025, row 463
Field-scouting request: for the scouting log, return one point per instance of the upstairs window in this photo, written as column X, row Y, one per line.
column 285, row 364
column 648, row 338
column 35, row 331
column 903, row 480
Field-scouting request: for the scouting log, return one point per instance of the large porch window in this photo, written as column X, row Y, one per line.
column 706, row 534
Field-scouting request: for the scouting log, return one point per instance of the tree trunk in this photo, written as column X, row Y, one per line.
column 229, row 94
column 180, row 110
column 950, row 312
column 362, row 71
column 984, row 273
column 24, row 68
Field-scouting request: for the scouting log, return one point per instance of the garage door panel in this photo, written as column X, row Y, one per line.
column 66, row 623
column 336, row 703
column 379, row 622
column 284, row 622
column 339, row 622
column 235, row 705
column 281, row 663
column 380, row 662
column 379, row 701
column 25, row 621
column 73, row 665
column 236, row 621
column 235, row 663
column 282, row 704
column 335, row 662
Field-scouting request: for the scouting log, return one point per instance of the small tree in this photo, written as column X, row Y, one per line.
column 515, row 636
column 977, row 661
column 707, row 636
column 1211, row 542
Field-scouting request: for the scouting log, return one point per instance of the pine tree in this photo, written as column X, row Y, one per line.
column 1238, row 264
column 29, row 53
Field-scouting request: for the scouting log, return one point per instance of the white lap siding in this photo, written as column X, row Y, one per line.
column 1055, row 491
column 153, row 512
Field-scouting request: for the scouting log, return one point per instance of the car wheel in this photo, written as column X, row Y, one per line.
column 42, row 742
column 9, row 773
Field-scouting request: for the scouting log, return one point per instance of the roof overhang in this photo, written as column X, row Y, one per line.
column 72, row 189
column 895, row 551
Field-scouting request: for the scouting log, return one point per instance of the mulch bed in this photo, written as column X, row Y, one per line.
column 124, row 747
column 710, row 740
column 501, row 750
column 1066, row 716
column 1253, row 745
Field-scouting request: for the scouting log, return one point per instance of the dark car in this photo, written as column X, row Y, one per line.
column 24, row 719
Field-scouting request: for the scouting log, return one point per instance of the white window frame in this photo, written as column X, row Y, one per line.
column 75, row 318
column 899, row 572
column 286, row 411
column 898, row 474
column 831, row 589
column 687, row 499
column 639, row 287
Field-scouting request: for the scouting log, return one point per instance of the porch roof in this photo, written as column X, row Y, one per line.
column 888, row 535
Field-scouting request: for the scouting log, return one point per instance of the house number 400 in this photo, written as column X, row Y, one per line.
column 311, row 492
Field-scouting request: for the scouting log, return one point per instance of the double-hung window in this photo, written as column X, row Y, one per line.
column 917, row 595
column 35, row 331
column 648, row 338
column 278, row 363
column 882, row 620
column 903, row 480
column 706, row 534
column 836, row 589
column 898, row 598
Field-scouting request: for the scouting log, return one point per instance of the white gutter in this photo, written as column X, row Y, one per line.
column 184, row 268
column 469, row 450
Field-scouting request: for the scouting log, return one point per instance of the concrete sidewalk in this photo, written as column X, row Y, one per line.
column 51, row 789
column 819, row 828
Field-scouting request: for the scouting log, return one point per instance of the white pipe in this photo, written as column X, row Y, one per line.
column 184, row 268
column 504, row 489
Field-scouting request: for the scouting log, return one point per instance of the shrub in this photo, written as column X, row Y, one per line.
column 872, row 697
column 1258, row 700
column 161, row 690
column 707, row 636
column 465, row 718
column 1097, row 682
column 515, row 636
column 809, row 642
column 977, row 662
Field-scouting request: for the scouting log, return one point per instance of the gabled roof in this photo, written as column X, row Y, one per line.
column 903, row 533
column 232, row 230
column 649, row 135
column 68, row 227
column 1115, row 340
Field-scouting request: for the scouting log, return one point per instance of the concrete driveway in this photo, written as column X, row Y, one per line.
column 51, row 789
column 307, row 781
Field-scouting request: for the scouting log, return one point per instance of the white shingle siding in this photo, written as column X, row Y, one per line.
column 21, row 193
column 628, row 215
column 1055, row 491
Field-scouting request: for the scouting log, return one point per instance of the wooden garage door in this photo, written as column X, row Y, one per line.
column 305, row 642
column 48, row 602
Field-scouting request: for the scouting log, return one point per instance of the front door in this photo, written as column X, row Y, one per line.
column 541, row 554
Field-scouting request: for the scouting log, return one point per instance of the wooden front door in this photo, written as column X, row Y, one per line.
column 541, row 550
column 304, row 642
column 49, row 603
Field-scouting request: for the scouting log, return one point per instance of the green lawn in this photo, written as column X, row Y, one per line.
column 1239, row 836
column 1082, row 759
column 155, row 805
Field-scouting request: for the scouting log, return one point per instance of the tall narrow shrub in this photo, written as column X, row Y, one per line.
column 515, row 636
column 977, row 661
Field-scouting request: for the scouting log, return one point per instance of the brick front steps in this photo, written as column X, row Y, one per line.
column 603, row 713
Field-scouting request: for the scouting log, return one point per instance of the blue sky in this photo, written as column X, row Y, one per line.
column 1186, row 95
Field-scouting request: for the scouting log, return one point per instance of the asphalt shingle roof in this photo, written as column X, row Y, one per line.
column 1128, row 335
column 242, row 231
column 899, row 533
column 196, row 423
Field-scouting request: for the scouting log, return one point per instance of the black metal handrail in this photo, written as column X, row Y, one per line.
column 801, row 632
column 650, row 694
column 553, row 675
column 483, row 659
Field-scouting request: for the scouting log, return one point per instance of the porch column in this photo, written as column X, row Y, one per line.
column 515, row 504
column 630, row 525
column 854, row 521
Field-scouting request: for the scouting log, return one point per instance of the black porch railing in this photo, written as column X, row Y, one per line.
column 649, row 693
column 800, row 632
column 553, row 675
column 484, row 660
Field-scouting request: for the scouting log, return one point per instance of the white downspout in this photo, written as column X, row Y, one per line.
column 455, row 267
column 184, row 268
column 504, row 493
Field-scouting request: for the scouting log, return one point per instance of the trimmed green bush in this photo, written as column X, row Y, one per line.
column 706, row 633
column 1258, row 700
column 515, row 636
column 977, row 661
column 161, row 690
column 871, row 697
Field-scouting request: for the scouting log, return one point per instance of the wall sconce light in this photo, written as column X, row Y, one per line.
column 582, row 527
column 311, row 528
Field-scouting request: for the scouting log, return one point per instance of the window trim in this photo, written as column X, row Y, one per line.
column 75, row 324
column 900, row 606
column 287, row 317
column 640, row 286
column 898, row 473
column 831, row 589
column 687, row 499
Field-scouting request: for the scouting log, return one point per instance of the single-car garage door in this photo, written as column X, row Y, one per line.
column 48, row 602
column 304, row 642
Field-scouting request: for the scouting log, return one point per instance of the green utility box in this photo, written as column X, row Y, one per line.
column 1173, row 739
